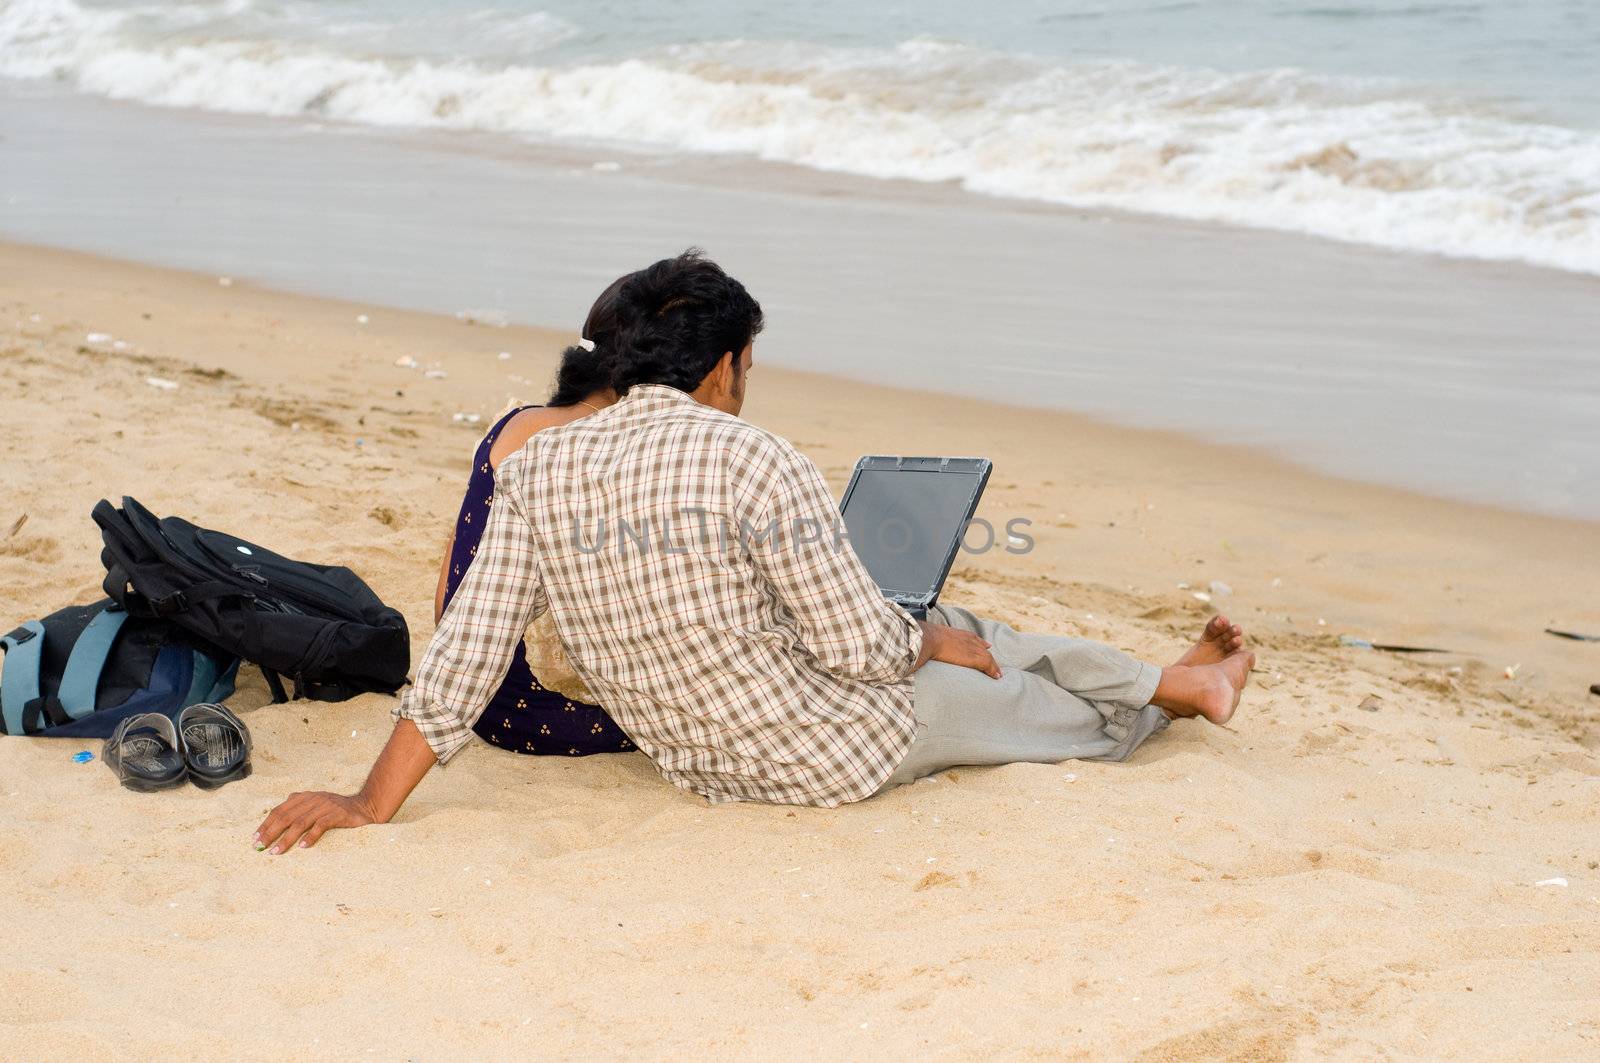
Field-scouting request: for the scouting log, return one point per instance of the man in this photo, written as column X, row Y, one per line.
column 748, row 656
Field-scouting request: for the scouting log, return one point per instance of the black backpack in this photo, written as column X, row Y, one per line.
column 80, row 671
column 319, row 625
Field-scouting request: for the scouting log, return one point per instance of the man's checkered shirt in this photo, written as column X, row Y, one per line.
column 692, row 564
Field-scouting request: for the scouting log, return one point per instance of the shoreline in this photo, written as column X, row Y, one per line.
column 1363, row 862
column 714, row 170
column 1055, row 145
column 1463, row 377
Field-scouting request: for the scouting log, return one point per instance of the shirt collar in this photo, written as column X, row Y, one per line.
column 650, row 397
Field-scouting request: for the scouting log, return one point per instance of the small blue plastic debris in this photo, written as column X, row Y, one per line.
column 83, row 757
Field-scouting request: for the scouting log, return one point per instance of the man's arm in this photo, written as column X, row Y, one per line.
column 474, row 643
column 305, row 817
column 845, row 621
column 954, row 646
column 465, row 661
column 790, row 528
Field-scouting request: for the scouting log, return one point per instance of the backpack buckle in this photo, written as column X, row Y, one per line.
column 176, row 602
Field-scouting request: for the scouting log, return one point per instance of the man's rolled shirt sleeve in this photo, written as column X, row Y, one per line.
column 852, row 630
column 472, row 648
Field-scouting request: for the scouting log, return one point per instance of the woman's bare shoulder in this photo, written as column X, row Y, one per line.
column 521, row 428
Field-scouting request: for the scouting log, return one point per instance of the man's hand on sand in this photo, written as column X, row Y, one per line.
column 305, row 817
column 954, row 646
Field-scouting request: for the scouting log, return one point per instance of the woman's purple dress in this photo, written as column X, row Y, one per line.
column 523, row 716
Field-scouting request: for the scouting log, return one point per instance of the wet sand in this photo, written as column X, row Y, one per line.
column 1456, row 378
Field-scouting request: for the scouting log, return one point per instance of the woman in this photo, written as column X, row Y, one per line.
column 524, row 716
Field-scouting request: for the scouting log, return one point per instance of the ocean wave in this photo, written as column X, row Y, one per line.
column 1353, row 159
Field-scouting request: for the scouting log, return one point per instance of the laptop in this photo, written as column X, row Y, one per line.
column 905, row 518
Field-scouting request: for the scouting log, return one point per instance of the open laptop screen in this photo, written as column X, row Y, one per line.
column 905, row 521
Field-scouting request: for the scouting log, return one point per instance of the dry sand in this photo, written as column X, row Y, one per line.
column 1316, row 879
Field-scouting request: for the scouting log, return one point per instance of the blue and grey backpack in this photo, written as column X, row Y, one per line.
column 80, row 671
column 186, row 605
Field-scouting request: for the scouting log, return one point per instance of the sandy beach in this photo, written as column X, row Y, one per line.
column 1361, row 865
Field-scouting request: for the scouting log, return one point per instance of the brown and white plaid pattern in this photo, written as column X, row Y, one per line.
column 690, row 563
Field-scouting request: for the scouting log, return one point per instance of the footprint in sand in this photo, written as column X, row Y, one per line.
column 386, row 516
column 37, row 548
column 1332, row 738
column 1268, row 1033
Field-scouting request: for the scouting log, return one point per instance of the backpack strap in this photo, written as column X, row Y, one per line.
column 80, row 679
column 203, row 679
column 222, row 689
column 274, row 684
column 19, row 683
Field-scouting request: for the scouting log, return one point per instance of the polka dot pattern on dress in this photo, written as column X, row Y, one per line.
column 523, row 717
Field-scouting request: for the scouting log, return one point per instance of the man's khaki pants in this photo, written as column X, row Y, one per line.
column 1057, row 699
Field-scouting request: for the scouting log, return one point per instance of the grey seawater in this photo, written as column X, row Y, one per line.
column 1464, row 379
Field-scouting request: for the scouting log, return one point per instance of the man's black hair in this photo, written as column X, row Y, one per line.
column 679, row 317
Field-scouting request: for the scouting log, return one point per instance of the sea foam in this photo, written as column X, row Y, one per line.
column 1376, row 162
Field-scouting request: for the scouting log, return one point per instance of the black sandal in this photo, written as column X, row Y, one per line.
column 146, row 753
column 216, row 745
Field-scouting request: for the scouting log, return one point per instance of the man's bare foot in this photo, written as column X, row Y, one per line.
column 1211, row 691
column 1218, row 640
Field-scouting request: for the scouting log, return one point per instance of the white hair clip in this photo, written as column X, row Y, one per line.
column 586, row 343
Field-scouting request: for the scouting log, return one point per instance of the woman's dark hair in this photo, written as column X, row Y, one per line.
column 676, row 319
column 583, row 372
